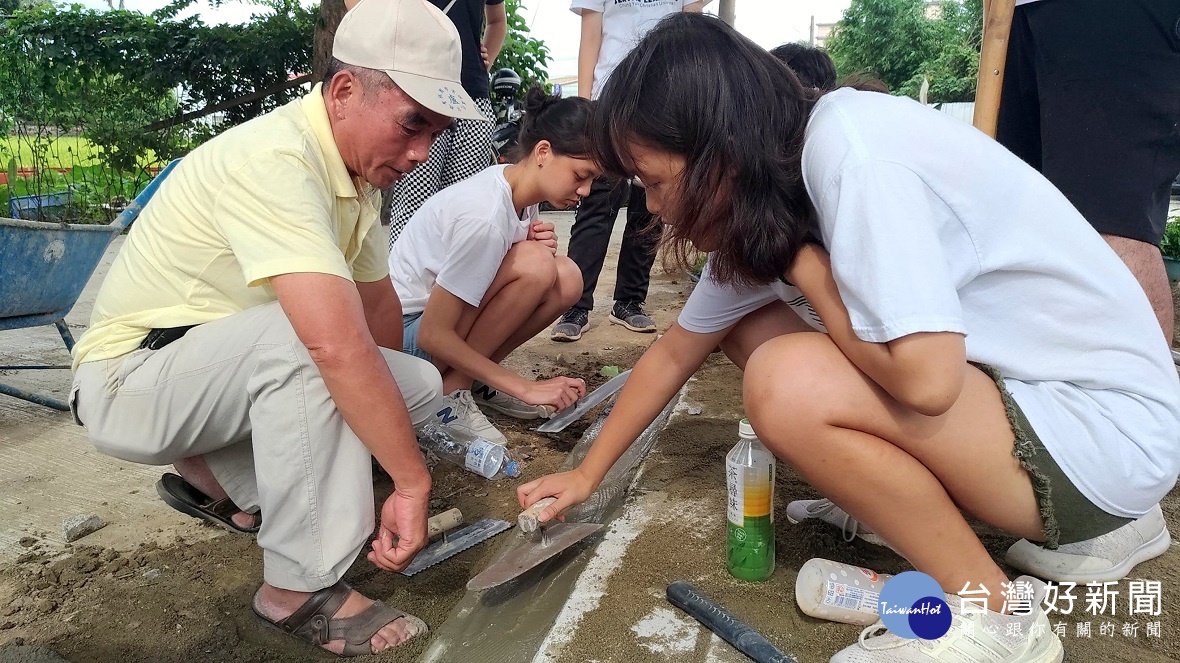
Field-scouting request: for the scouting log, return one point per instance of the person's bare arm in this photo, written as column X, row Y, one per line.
column 383, row 312
column 494, row 32
column 658, row 375
column 924, row 371
column 588, row 51
column 329, row 318
column 696, row 7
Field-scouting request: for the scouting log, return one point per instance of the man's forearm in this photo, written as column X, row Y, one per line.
column 367, row 397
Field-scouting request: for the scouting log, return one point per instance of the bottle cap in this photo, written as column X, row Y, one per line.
column 746, row 430
column 513, row 469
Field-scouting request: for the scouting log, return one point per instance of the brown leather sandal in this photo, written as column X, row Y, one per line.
column 185, row 498
column 313, row 621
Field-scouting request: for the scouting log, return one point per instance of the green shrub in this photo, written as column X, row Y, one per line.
column 1170, row 246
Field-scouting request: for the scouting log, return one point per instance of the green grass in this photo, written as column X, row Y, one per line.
column 63, row 152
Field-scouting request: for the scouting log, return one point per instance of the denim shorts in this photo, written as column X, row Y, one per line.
column 1067, row 514
column 410, row 323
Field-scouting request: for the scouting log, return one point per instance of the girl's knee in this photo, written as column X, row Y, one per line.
column 532, row 262
column 569, row 280
column 782, row 389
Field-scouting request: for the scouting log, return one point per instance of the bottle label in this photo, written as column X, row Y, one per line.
column 840, row 595
column 750, row 491
column 477, row 454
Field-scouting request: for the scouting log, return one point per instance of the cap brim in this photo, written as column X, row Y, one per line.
column 441, row 96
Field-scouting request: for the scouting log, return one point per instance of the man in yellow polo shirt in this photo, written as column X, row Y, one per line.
column 248, row 333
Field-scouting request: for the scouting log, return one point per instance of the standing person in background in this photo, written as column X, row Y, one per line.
column 610, row 29
column 465, row 148
column 1091, row 99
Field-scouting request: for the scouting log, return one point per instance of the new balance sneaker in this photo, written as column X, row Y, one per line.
column 632, row 316
column 501, row 402
column 460, row 412
column 572, row 325
column 827, row 511
column 976, row 635
column 1105, row 558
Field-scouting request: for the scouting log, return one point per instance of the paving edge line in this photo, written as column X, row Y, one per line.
column 497, row 626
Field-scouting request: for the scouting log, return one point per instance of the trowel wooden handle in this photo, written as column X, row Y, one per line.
column 443, row 522
column 527, row 520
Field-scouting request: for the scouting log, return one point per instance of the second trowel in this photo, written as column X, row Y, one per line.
column 544, row 542
column 588, row 402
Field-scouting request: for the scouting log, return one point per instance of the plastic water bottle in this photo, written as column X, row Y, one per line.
column 839, row 592
column 487, row 459
column 749, row 474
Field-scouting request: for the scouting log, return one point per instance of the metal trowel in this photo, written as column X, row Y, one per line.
column 454, row 542
column 588, row 402
column 545, row 541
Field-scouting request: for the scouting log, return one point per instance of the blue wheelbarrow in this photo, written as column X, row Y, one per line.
column 43, row 268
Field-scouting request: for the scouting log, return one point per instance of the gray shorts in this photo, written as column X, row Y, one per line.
column 1068, row 515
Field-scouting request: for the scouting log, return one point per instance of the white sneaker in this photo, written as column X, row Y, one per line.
column 974, row 636
column 505, row 404
column 827, row 511
column 1105, row 558
column 459, row 412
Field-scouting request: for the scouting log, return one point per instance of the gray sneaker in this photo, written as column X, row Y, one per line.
column 505, row 404
column 571, row 325
column 632, row 316
column 827, row 511
column 1106, row 558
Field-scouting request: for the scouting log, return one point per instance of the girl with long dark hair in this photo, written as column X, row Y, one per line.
column 477, row 272
column 927, row 327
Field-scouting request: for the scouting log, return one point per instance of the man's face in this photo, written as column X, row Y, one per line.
column 381, row 134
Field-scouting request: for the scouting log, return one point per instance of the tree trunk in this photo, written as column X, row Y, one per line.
column 331, row 11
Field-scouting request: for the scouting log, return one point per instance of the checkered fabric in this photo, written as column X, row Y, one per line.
column 460, row 152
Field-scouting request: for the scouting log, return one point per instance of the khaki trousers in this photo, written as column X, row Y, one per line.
column 244, row 393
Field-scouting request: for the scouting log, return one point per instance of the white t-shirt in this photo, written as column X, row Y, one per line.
column 932, row 226
column 1024, row 2
column 712, row 306
column 624, row 23
column 457, row 239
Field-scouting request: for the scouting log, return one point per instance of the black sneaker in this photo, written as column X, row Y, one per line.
column 571, row 325
column 632, row 316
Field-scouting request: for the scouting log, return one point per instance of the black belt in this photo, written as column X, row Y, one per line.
column 158, row 338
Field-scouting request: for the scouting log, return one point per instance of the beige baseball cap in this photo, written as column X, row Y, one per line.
column 416, row 44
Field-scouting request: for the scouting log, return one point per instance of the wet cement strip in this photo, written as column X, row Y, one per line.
column 508, row 624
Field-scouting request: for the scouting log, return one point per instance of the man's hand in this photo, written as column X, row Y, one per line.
column 483, row 55
column 402, row 532
column 544, row 233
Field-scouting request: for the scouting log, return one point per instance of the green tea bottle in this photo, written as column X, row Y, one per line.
column 749, row 475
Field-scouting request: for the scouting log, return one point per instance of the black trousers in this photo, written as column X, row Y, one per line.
column 1091, row 99
column 591, row 235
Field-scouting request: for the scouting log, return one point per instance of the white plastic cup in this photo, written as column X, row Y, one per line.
column 839, row 592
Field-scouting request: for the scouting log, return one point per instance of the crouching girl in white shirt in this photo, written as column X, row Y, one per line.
column 985, row 351
column 478, row 273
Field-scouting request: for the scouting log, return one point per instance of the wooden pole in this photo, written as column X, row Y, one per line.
column 997, row 23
